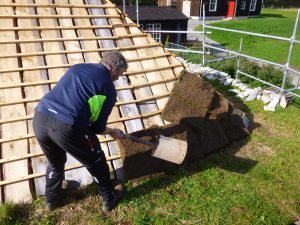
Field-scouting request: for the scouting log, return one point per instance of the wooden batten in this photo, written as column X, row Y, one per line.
column 151, row 63
column 32, row 76
column 17, row 192
column 92, row 57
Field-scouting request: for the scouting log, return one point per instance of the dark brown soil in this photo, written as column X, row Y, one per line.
column 199, row 115
column 137, row 158
column 219, row 106
column 190, row 97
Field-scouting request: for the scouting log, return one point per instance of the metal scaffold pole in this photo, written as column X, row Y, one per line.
column 239, row 60
column 287, row 65
column 203, row 41
column 137, row 12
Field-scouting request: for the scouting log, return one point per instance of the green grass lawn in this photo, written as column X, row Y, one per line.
column 254, row 181
column 276, row 22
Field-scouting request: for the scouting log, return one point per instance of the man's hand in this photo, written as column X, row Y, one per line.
column 115, row 133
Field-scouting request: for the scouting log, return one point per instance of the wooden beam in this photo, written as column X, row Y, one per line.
column 57, row 5
column 64, row 28
column 49, row 16
column 79, row 51
column 68, row 65
column 20, row 192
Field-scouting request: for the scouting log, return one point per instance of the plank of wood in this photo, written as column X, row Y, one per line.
column 32, row 76
column 69, row 45
column 18, row 192
column 92, row 57
column 168, row 73
column 151, row 63
column 56, row 59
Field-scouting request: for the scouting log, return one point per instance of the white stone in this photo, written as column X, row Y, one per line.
column 207, row 69
column 265, row 98
column 248, row 92
column 210, row 77
column 283, row 102
column 253, row 94
column 228, row 81
column 239, row 84
column 274, row 102
column 240, row 95
column 222, row 80
column 215, row 72
column 274, row 95
column 236, row 81
column 268, row 92
column 222, row 74
column 244, row 87
column 268, row 108
column 234, row 90
column 258, row 96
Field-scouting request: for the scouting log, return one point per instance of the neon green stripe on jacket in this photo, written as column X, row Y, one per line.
column 96, row 102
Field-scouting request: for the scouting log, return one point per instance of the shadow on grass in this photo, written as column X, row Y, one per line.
column 265, row 15
column 224, row 159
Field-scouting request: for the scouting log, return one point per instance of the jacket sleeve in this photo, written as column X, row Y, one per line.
column 99, row 125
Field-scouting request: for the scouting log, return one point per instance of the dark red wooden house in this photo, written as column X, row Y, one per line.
column 215, row 9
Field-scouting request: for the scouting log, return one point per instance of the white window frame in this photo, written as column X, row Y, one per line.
column 154, row 26
column 213, row 5
column 243, row 5
column 252, row 6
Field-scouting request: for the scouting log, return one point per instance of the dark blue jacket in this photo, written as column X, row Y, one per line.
column 83, row 97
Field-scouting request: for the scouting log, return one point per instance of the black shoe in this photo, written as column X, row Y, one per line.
column 118, row 194
column 70, row 185
column 50, row 206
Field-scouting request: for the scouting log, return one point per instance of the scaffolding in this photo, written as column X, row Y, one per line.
column 238, row 55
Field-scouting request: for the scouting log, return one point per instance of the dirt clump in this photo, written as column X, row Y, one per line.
column 190, row 97
column 199, row 115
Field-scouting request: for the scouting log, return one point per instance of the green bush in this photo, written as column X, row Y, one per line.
column 227, row 66
column 266, row 73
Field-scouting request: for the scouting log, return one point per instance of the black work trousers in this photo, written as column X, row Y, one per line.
column 56, row 139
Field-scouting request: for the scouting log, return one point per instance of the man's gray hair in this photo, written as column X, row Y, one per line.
column 114, row 59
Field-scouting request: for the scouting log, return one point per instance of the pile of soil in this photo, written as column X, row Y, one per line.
column 199, row 115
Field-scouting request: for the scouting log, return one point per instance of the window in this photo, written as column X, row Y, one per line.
column 243, row 5
column 154, row 26
column 213, row 5
column 252, row 5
